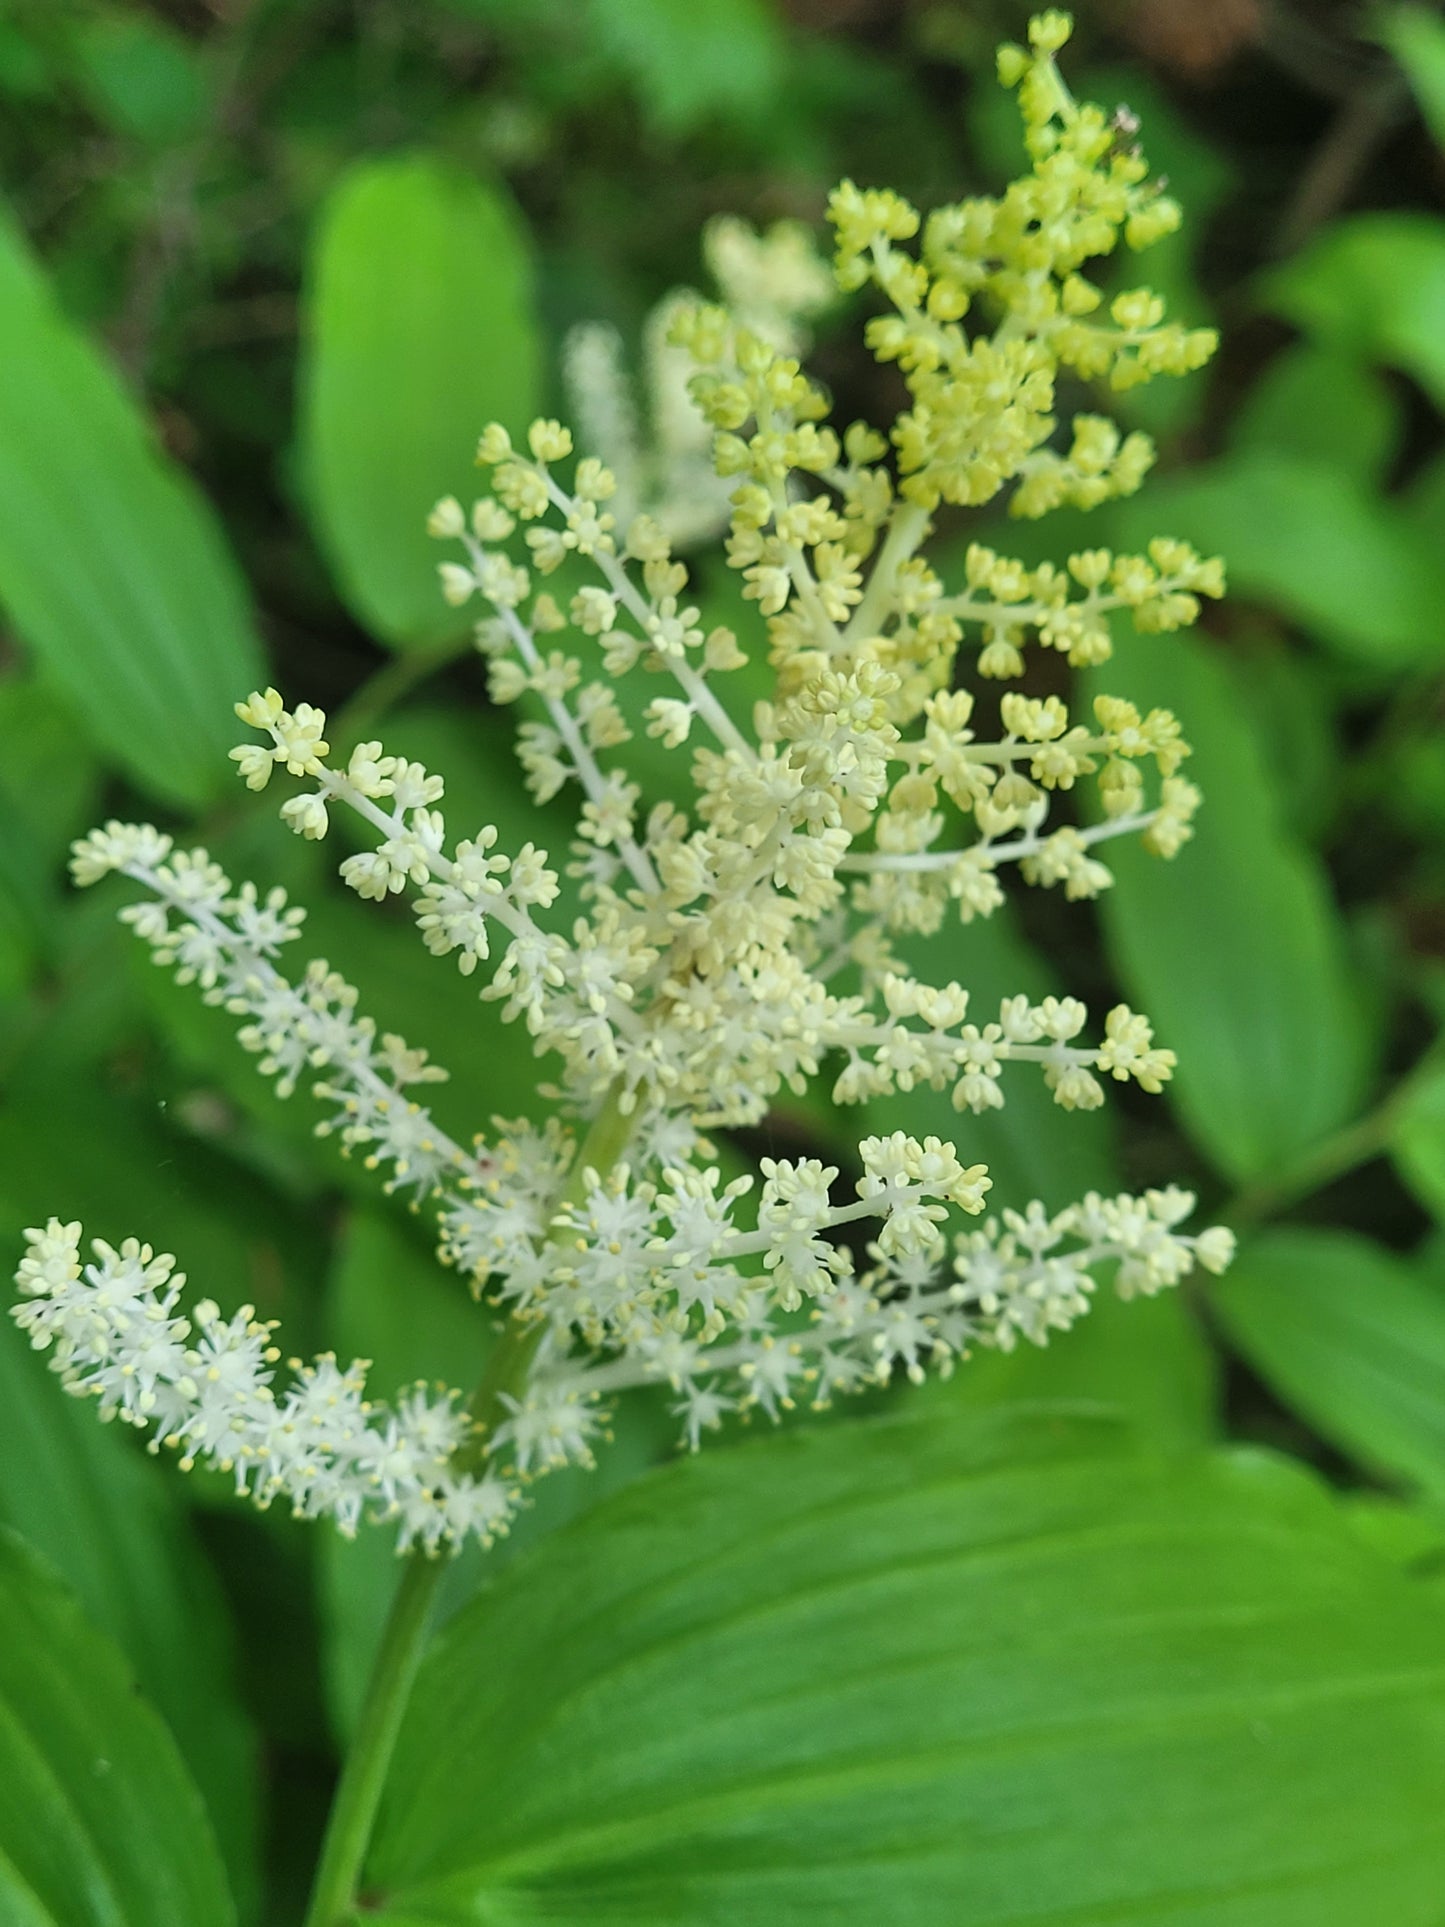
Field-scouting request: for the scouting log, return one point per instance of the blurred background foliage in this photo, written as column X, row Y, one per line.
column 265, row 268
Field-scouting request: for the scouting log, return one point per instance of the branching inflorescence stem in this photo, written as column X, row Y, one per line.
column 408, row 1622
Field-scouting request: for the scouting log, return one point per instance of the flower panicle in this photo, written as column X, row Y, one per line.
column 684, row 962
column 205, row 1386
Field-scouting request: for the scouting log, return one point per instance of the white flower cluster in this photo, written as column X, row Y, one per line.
column 659, row 1277
column 226, row 942
column 205, row 1385
column 684, row 966
column 649, row 1270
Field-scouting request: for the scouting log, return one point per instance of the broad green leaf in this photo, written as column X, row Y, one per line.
column 1410, row 1535
column 145, row 79
column 99, row 1825
column 909, row 1671
column 1233, row 949
column 690, row 63
column 1417, row 1143
column 48, row 781
column 1429, row 1255
column 1415, row 793
column 25, row 905
column 1416, row 38
column 1291, row 703
column 1323, row 407
column 494, row 1069
column 419, row 331
column 1350, row 1336
column 1372, row 286
column 391, row 1300
column 1146, row 1359
column 26, row 64
column 112, row 568
column 87, row 1010
column 48, row 776
column 1305, row 538
column 110, row 1523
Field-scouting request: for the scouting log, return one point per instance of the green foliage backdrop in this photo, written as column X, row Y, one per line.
column 1148, row 1623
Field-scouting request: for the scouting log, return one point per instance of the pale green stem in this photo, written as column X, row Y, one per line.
column 705, row 704
column 1343, row 1151
column 358, row 1795
column 909, row 526
column 334, row 1896
column 896, row 862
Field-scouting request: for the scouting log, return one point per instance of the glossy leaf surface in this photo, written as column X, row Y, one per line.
column 903, row 1671
column 99, row 1825
column 112, row 567
column 1352, row 1338
column 1233, row 948
column 421, row 331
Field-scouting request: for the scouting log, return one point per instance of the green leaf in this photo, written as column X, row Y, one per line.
column 1322, row 407
column 26, row 899
column 1306, row 539
column 1146, row 1359
column 392, row 1301
column 99, row 1826
column 1410, row 1536
column 112, row 567
column 1291, row 703
column 493, row 1067
column 1417, row 1143
column 109, row 1522
column 144, row 79
column 910, row 1671
column 1416, row 38
column 1350, row 1336
column 690, row 63
column 1372, row 286
column 1233, row 949
column 48, row 784
column 419, row 331
column 26, row 69
column 48, row 779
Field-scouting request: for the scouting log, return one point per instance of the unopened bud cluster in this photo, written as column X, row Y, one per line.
column 679, row 968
